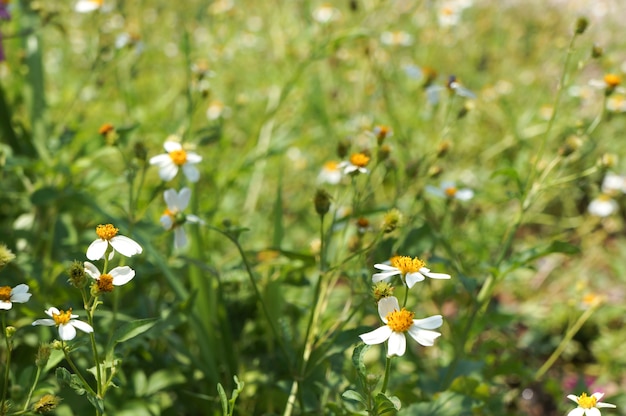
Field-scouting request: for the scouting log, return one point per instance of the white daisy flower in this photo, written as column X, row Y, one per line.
column 448, row 189
column 116, row 277
column 19, row 294
column 356, row 164
column 453, row 86
column 397, row 323
column 176, row 157
column 411, row 270
column 326, row 13
column 88, row 6
column 613, row 183
column 602, row 206
column 330, row 173
column 66, row 323
column 107, row 235
column 396, row 38
column 588, row 405
column 173, row 217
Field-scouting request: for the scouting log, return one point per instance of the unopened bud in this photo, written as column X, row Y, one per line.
column 322, row 202
column 9, row 331
column 42, row 356
column 572, row 144
column 6, row 256
column 435, row 171
column 382, row 290
column 78, row 278
column 581, row 25
column 443, row 148
column 596, row 51
column 392, row 220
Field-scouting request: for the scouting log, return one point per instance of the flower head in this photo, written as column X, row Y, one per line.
column 173, row 218
column 396, row 38
column 356, row 164
column 116, row 277
column 326, row 13
column 412, row 270
column 107, row 236
column 19, row 294
column 87, row 6
column 66, row 323
column 449, row 190
column 602, row 206
column 176, row 157
column 397, row 323
column 330, row 173
column 588, row 405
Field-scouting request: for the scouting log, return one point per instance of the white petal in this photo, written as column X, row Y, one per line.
column 194, row 219
column 432, row 322
column 125, row 246
column 386, row 267
column 122, row 275
column 19, row 293
column 191, row 172
column 180, row 237
column 573, row 397
column 45, row 322
column 168, row 171
column 86, row 6
column 464, row 194
column 161, row 160
column 67, row 331
column 423, row 336
column 377, row 336
column 92, row 270
column 592, row 412
column 579, row 411
column 166, row 222
column 397, row 344
column 5, row 305
column 428, row 273
column 171, row 199
column 435, row 191
column 193, row 158
column 51, row 311
column 171, row 146
column 386, row 306
column 412, row 278
column 377, row 277
column 21, row 288
column 96, row 250
column 600, row 404
column 83, row 326
column 598, row 396
column 183, row 198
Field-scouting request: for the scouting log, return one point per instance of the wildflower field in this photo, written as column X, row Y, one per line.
column 292, row 207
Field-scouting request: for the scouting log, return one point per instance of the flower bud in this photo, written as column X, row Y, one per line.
column 6, row 256
column 42, row 356
column 9, row 331
column 78, row 278
column 392, row 220
column 342, row 149
column 382, row 290
column 596, row 51
column 322, row 202
column 46, row 404
column 443, row 147
column 581, row 25
column 572, row 144
column 141, row 153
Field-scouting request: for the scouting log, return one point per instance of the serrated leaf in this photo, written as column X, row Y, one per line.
column 384, row 405
column 70, row 380
column 97, row 402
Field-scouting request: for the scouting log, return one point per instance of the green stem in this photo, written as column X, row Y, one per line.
column 32, row 389
column 94, row 347
column 566, row 339
column 76, row 371
column 8, row 363
column 387, row 372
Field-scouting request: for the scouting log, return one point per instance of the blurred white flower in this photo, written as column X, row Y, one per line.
column 330, row 173
column 411, row 270
column 216, row 110
column 449, row 14
column 8, row 296
column 397, row 323
column 616, row 103
column 176, row 157
column 453, row 86
column 326, row 13
column 66, row 323
column 87, row 6
column 613, row 183
column 396, row 38
column 588, row 405
column 173, row 218
column 602, row 206
column 107, row 235
column 448, row 189
column 356, row 164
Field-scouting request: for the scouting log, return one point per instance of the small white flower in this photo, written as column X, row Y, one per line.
column 87, row 6
column 66, row 323
column 107, row 235
column 326, row 13
column 411, row 270
column 449, row 14
column 8, row 296
column 397, row 323
column 614, row 183
column 330, row 173
column 616, row 103
column 173, row 217
column 396, row 38
column 356, row 164
column 176, row 157
column 602, row 206
column 588, row 405
column 448, row 189
column 453, row 86
column 117, row 277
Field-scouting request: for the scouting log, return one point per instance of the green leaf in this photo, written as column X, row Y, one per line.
column 357, row 359
column 223, row 399
column 385, row 406
column 70, row 380
column 354, row 396
column 163, row 379
column 130, row 330
column 97, row 402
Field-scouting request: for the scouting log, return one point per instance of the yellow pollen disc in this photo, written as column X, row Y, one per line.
column 587, row 402
column 106, row 232
column 62, row 317
column 169, row 213
column 363, row 222
column 400, row 321
column 406, row 264
column 450, row 192
column 5, row 293
column 359, row 159
column 447, row 11
column 179, row 157
column 331, row 166
column 105, row 283
column 106, row 128
column 612, row 80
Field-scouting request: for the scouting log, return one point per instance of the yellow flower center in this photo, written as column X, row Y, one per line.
column 447, row 11
column 359, row 159
column 105, row 283
column 179, row 157
column 106, row 232
column 587, row 402
column 331, row 166
column 612, row 80
column 105, row 129
column 400, row 321
column 450, row 191
column 406, row 264
column 5, row 293
column 62, row 317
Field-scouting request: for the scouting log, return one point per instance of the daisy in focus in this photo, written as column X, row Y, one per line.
column 330, row 173
column 173, row 217
column 356, row 164
column 175, row 158
column 588, row 405
column 8, row 296
column 411, row 270
column 398, row 322
column 107, row 236
column 88, row 6
column 65, row 322
column 448, row 189
column 116, row 277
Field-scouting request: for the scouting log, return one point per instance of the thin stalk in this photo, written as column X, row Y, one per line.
column 78, row 373
column 7, row 364
column 32, row 389
column 94, row 347
column 387, row 372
